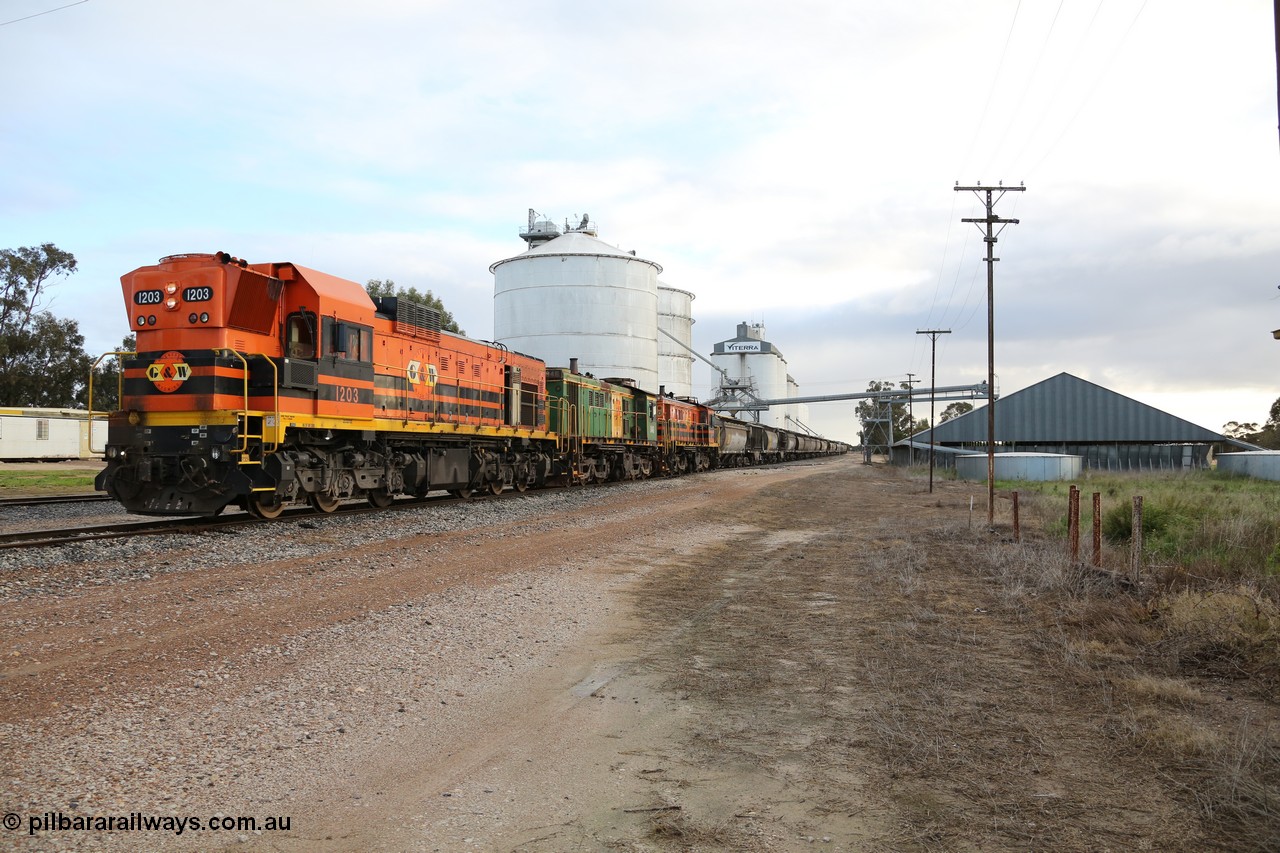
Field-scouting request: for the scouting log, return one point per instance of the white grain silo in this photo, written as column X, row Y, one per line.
column 675, row 357
column 797, row 413
column 572, row 295
column 757, row 364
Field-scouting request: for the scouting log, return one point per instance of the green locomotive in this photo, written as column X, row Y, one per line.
column 610, row 426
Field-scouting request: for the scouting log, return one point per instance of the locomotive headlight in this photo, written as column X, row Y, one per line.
column 113, row 452
column 171, row 288
column 215, row 453
column 134, row 418
column 171, row 303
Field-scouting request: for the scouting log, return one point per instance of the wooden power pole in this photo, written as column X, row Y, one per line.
column 933, row 385
column 990, row 235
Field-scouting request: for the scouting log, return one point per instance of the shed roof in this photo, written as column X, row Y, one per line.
column 1066, row 408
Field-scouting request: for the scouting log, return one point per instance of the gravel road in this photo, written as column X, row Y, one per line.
column 794, row 658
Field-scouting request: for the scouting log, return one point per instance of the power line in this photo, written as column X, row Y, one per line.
column 1026, row 87
column 1049, row 103
column 973, row 142
column 1092, row 89
column 47, row 12
column 994, row 81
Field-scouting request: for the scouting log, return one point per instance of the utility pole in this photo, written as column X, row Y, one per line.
column 911, row 409
column 933, row 387
column 990, row 235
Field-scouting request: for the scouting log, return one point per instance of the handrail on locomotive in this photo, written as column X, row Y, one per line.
column 93, row 369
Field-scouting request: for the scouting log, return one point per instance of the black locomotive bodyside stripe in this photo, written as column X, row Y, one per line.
column 338, row 369
column 436, row 409
column 466, row 393
column 202, row 385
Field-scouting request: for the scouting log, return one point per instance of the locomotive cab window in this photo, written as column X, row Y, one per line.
column 300, row 336
column 349, row 341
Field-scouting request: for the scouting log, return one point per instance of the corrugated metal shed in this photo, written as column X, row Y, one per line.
column 1065, row 408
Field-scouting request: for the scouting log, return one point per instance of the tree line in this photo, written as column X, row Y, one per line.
column 1267, row 435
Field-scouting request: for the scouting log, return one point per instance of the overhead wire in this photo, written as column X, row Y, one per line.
column 1087, row 97
column 1017, row 107
column 994, row 82
column 967, row 309
column 973, row 142
column 1092, row 89
column 1051, row 101
column 46, row 12
column 1029, row 138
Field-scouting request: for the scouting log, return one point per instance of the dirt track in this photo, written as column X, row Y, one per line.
column 780, row 659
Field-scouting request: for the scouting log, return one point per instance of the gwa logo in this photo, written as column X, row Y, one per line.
column 169, row 371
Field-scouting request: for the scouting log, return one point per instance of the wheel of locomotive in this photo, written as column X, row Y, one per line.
column 379, row 498
column 461, row 494
column 522, row 485
column 267, row 506
column 324, row 503
column 495, row 487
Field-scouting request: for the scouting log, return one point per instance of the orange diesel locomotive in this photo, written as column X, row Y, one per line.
column 260, row 385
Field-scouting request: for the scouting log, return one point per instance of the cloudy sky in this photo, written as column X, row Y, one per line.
column 790, row 163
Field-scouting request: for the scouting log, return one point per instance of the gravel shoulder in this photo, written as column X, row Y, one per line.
column 763, row 659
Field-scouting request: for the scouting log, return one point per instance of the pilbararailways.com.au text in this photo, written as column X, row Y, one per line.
column 140, row 822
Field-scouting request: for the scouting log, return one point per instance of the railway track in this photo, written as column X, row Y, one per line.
column 153, row 526
column 193, row 524
column 46, row 500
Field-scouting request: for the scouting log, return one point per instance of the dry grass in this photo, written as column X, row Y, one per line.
column 1144, row 645
column 1170, row 732
column 1242, row 798
column 1154, row 689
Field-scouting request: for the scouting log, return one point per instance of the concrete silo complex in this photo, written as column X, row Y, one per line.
column 571, row 295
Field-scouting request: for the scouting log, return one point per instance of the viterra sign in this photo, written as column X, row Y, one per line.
column 742, row 346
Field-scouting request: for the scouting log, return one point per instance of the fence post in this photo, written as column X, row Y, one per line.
column 1017, row 529
column 1097, row 529
column 1135, row 538
column 1073, row 522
